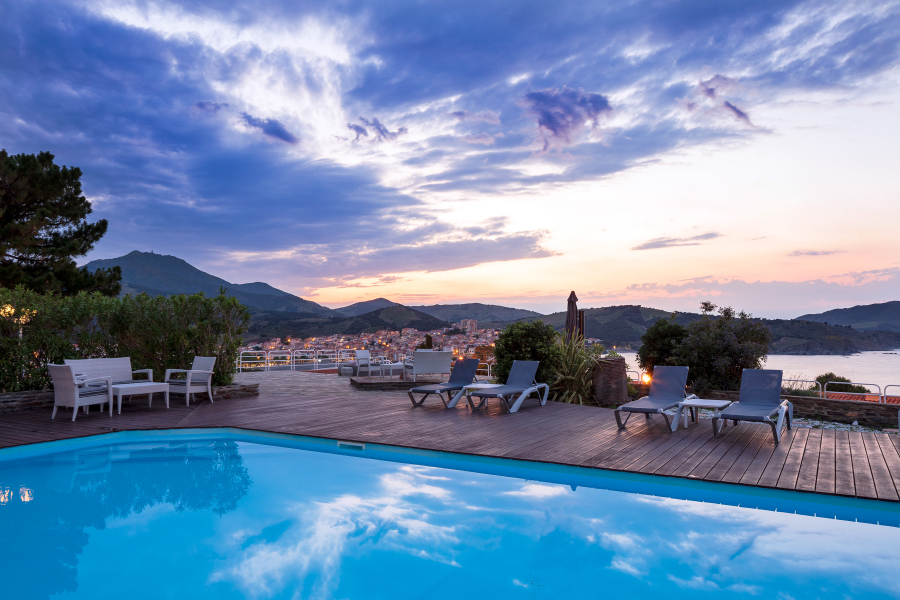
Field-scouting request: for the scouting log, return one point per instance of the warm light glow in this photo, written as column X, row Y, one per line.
column 645, row 378
column 5, row 495
column 25, row 494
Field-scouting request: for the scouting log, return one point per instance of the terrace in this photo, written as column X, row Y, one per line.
column 853, row 464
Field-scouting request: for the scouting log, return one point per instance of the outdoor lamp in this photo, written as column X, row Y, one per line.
column 645, row 378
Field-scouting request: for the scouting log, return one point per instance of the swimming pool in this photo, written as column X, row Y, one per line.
column 230, row 514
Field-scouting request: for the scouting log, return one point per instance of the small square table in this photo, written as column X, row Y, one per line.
column 697, row 403
column 139, row 389
column 477, row 386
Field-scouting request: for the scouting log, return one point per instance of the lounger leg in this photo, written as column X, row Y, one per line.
column 790, row 415
column 53, row 416
column 668, row 424
column 775, row 431
column 455, row 400
column 781, row 414
column 619, row 421
column 413, row 399
column 518, row 404
column 167, row 399
column 715, row 424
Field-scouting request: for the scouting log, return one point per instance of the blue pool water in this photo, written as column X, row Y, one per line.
column 230, row 515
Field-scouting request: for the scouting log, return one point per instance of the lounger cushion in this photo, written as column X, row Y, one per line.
column 497, row 392
column 436, row 388
column 650, row 405
column 741, row 411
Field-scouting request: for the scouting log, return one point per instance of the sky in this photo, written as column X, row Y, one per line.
column 655, row 153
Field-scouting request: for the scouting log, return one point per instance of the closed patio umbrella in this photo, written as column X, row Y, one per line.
column 572, row 317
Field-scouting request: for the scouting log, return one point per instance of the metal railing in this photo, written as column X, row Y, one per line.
column 825, row 391
column 884, row 396
column 484, row 369
column 637, row 375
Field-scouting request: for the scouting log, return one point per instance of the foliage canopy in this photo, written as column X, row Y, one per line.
column 527, row 341
column 43, row 228
column 717, row 350
column 157, row 333
column 659, row 344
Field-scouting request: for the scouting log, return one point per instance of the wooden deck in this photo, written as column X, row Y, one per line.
column 864, row 465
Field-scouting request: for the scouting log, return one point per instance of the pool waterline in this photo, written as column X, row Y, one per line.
column 843, row 508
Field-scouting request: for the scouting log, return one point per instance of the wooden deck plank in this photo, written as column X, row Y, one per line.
column 843, row 465
column 737, row 470
column 881, row 475
column 809, row 464
column 862, row 473
column 769, row 476
column 825, row 470
column 324, row 406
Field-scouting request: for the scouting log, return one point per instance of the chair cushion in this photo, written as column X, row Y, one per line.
column 650, row 405
column 741, row 411
column 182, row 383
column 92, row 391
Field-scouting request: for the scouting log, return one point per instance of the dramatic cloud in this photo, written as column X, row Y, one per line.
column 211, row 106
column 563, row 114
column 381, row 132
column 668, row 242
column 737, row 112
column 271, row 128
column 359, row 130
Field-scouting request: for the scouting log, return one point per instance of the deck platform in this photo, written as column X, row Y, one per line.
column 864, row 465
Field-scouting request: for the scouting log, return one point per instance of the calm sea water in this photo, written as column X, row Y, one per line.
column 882, row 368
column 225, row 519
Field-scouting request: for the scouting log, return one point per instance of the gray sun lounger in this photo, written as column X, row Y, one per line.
column 520, row 383
column 760, row 399
column 463, row 373
column 666, row 391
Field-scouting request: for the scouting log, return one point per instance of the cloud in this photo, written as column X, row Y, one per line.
column 211, row 106
column 738, row 113
column 562, row 114
column 814, row 252
column 381, row 132
column 539, row 491
column 359, row 130
column 271, row 128
column 668, row 242
column 485, row 116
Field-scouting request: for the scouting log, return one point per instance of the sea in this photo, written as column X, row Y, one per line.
column 881, row 368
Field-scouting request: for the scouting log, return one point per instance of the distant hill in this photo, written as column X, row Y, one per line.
column 164, row 275
column 867, row 317
column 483, row 313
column 624, row 326
column 269, row 324
column 361, row 308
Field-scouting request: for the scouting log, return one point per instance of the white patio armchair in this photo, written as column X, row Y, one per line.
column 198, row 378
column 365, row 362
column 72, row 392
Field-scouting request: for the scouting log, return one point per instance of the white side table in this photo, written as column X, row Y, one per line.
column 697, row 403
column 477, row 386
column 138, row 389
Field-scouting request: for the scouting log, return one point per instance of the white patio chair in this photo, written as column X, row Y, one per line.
column 67, row 391
column 198, row 378
column 364, row 361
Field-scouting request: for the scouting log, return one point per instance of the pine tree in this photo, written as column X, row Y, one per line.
column 43, row 227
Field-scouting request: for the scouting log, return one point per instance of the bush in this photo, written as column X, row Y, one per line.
column 659, row 344
column 573, row 372
column 157, row 333
column 844, row 389
column 527, row 341
column 717, row 350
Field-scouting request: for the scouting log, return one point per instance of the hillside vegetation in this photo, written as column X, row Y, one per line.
column 882, row 317
column 269, row 324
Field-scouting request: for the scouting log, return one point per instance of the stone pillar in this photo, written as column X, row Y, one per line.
column 610, row 381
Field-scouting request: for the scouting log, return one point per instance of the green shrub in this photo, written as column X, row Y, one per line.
column 157, row 333
column 573, row 372
column 659, row 344
column 842, row 388
column 717, row 350
column 526, row 341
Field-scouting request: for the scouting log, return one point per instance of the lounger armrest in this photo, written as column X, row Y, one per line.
column 692, row 397
column 149, row 373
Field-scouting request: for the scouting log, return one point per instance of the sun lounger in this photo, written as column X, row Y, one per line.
column 463, row 373
column 520, row 383
column 760, row 399
column 666, row 391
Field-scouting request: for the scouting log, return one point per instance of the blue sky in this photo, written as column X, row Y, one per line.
column 657, row 153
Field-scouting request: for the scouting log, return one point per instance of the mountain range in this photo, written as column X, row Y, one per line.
column 276, row 313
